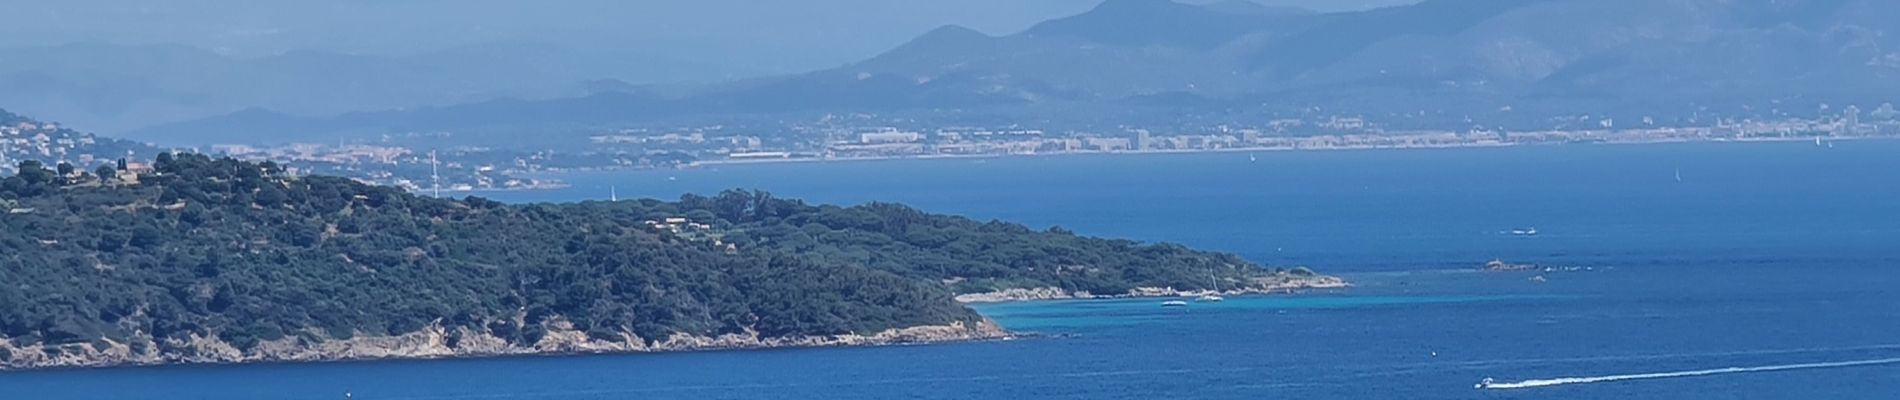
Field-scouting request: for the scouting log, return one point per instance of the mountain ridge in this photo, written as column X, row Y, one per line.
column 1493, row 53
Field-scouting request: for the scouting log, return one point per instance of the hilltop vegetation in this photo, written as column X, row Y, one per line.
column 971, row 256
column 241, row 252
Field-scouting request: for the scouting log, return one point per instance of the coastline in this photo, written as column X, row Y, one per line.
column 1264, row 149
column 559, row 184
column 1053, row 293
column 436, row 342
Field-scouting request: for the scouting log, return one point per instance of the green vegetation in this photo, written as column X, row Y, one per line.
column 241, row 251
column 971, row 256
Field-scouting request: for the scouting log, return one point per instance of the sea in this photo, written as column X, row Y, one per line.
column 1676, row 271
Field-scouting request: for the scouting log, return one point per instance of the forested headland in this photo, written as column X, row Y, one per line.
column 199, row 259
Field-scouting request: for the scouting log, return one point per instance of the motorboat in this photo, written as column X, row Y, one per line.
column 1174, row 303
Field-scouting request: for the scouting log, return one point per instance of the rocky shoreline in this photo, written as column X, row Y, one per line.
column 437, row 342
column 1052, row 293
column 562, row 338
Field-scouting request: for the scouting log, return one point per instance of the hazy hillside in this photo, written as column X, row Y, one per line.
column 1137, row 47
column 23, row 138
column 114, row 88
column 1456, row 57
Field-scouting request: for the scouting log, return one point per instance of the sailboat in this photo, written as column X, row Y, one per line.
column 1213, row 295
column 1251, row 158
column 1817, row 141
column 1678, row 174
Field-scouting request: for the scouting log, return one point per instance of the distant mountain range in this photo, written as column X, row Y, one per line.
column 1453, row 57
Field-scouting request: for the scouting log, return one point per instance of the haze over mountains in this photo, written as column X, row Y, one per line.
column 1698, row 49
column 1449, row 56
column 117, row 87
column 1460, row 61
column 1684, row 50
column 115, row 65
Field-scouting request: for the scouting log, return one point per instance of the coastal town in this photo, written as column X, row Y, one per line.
column 23, row 139
column 462, row 168
column 1335, row 132
column 442, row 165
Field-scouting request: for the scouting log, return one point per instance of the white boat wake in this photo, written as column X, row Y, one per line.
column 1536, row 383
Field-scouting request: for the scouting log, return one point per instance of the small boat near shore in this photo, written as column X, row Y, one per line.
column 1174, row 303
column 1213, row 294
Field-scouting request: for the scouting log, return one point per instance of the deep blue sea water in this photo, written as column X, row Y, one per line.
column 1776, row 255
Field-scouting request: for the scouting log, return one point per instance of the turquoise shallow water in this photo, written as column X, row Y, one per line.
column 1766, row 255
column 1064, row 315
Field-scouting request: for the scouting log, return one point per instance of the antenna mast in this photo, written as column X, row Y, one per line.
column 434, row 175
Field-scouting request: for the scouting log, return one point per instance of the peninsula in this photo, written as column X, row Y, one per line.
column 203, row 260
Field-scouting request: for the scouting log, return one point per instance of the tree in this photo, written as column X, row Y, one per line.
column 271, row 196
column 34, row 173
column 163, row 162
column 105, row 172
column 146, row 236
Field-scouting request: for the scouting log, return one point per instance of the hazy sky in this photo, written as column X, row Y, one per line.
column 775, row 34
